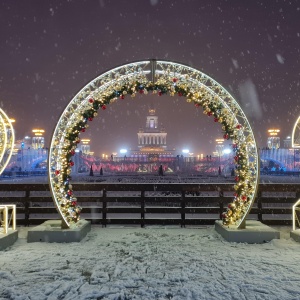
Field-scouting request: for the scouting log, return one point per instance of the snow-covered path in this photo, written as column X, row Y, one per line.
column 151, row 263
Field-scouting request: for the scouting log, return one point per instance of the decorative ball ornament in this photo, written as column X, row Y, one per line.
column 161, row 78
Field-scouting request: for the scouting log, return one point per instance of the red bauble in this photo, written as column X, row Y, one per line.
column 179, row 94
column 91, row 100
column 244, row 198
column 103, row 107
column 83, row 129
column 236, row 178
column 209, row 113
column 71, row 163
column 74, row 203
column 90, row 119
column 236, row 158
column 239, row 126
column 77, row 141
column 225, row 136
column 122, row 97
column 216, row 119
column 57, row 172
column 197, row 104
column 70, row 192
column 175, row 79
column 72, row 152
column 159, row 93
column 141, row 91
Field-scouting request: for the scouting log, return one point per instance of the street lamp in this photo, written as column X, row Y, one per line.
column 227, row 151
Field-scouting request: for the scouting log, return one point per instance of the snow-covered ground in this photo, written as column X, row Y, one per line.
column 151, row 263
column 121, row 262
column 152, row 178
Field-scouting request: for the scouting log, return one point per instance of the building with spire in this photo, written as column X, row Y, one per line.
column 152, row 140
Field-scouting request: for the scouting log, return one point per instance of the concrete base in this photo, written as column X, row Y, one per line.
column 51, row 232
column 295, row 235
column 254, row 233
column 8, row 239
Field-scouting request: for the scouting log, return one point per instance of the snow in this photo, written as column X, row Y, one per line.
column 151, row 263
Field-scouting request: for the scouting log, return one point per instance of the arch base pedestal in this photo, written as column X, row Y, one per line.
column 254, row 232
column 8, row 239
column 295, row 235
column 51, row 232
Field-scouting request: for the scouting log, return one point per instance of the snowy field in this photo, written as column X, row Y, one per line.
column 151, row 263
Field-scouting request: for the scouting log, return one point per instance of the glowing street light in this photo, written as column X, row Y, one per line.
column 123, row 151
column 227, row 151
column 185, row 151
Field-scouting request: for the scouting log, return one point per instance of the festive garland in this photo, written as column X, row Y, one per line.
column 212, row 106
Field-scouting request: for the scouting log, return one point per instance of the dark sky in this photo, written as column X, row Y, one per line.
column 50, row 49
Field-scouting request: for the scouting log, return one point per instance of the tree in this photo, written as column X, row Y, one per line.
column 91, row 170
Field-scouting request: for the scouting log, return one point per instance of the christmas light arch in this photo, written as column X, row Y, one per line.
column 296, row 145
column 158, row 77
column 296, row 134
column 7, row 140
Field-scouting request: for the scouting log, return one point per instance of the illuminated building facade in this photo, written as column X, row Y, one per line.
column 152, row 140
column 219, row 147
column 273, row 141
column 85, row 146
column 38, row 139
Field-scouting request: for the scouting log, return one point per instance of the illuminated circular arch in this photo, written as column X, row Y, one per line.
column 159, row 77
column 296, row 134
column 7, row 140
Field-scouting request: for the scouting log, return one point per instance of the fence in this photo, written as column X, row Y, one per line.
column 147, row 204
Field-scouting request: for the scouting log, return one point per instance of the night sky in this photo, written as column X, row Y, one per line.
column 49, row 50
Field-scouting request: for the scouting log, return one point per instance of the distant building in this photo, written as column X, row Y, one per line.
column 152, row 140
column 38, row 139
column 85, row 146
column 273, row 141
column 287, row 143
column 219, row 147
